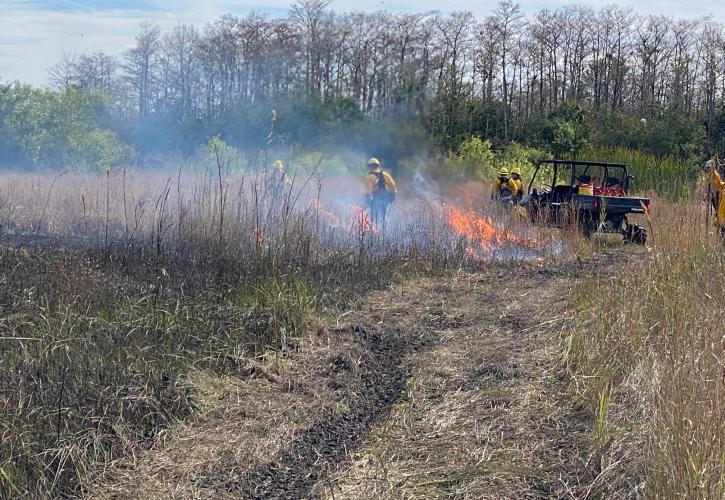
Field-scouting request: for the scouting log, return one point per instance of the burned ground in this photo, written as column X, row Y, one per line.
column 437, row 387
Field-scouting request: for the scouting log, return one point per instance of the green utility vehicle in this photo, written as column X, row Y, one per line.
column 594, row 195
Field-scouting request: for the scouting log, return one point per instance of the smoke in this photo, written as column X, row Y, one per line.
column 224, row 183
column 240, row 210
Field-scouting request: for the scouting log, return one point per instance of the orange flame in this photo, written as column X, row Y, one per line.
column 331, row 217
column 258, row 237
column 483, row 237
column 364, row 223
column 361, row 221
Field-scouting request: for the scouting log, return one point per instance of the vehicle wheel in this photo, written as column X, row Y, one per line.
column 636, row 234
column 589, row 226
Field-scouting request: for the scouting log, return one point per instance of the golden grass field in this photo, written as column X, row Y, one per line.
column 194, row 335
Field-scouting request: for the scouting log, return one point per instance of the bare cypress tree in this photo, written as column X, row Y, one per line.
column 608, row 60
column 140, row 67
column 508, row 23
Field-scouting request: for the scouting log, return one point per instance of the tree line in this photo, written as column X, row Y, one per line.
column 568, row 74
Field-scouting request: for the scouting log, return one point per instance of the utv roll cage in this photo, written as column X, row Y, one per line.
column 613, row 173
column 594, row 194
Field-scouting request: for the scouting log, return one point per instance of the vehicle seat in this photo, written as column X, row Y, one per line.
column 560, row 193
column 612, row 181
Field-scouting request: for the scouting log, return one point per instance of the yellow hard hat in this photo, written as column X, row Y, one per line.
column 278, row 164
column 503, row 171
column 374, row 161
column 516, row 170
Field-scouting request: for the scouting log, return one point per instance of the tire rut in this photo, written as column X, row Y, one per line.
column 489, row 413
column 307, row 459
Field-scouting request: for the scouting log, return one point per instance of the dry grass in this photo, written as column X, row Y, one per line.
column 486, row 412
column 483, row 408
column 132, row 302
column 649, row 357
column 245, row 418
column 116, row 287
column 211, row 216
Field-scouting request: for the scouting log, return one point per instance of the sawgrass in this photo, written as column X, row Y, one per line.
column 647, row 353
column 95, row 361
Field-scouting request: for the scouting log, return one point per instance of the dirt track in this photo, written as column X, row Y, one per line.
column 440, row 387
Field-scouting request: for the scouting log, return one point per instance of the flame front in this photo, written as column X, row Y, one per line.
column 364, row 222
column 331, row 217
column 258, row 237
column 482, row 236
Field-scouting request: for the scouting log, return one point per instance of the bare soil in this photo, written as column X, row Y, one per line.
column 437, row 387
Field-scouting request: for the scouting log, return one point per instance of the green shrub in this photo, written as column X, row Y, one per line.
column 59, row 130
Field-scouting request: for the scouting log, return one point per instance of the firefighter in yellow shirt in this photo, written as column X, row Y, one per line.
column 277, row 180
column 380, row 189
column 508, row 189
column 516, row 184
column 718, row 187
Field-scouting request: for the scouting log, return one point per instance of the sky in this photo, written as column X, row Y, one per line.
column 34, row 34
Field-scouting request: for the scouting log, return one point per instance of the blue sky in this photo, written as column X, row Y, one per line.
column 34, row 34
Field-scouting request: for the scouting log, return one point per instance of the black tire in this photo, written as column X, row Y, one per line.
column 636, row 233
column 534, row 212
column 589, row 226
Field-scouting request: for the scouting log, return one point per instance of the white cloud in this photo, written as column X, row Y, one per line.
column 32, row 40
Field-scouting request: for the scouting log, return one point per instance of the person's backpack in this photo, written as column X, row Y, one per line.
column 503, row 188
column 380, row 186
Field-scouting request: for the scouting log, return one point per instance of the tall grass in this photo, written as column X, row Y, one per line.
column 650, row 339
column 94, row 359
column 114, row 286
column 667, row 177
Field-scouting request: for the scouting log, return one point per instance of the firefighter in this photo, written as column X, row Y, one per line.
column 502, row 186
column 718, row 187
column 713, row 193
column 516, row 184
column 500, row 183
column 380, row 189
column 278, row 180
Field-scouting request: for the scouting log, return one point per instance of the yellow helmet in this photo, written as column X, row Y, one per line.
column 278, row 164
column 374, row 161
column 516, row 170
column 503, row 171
